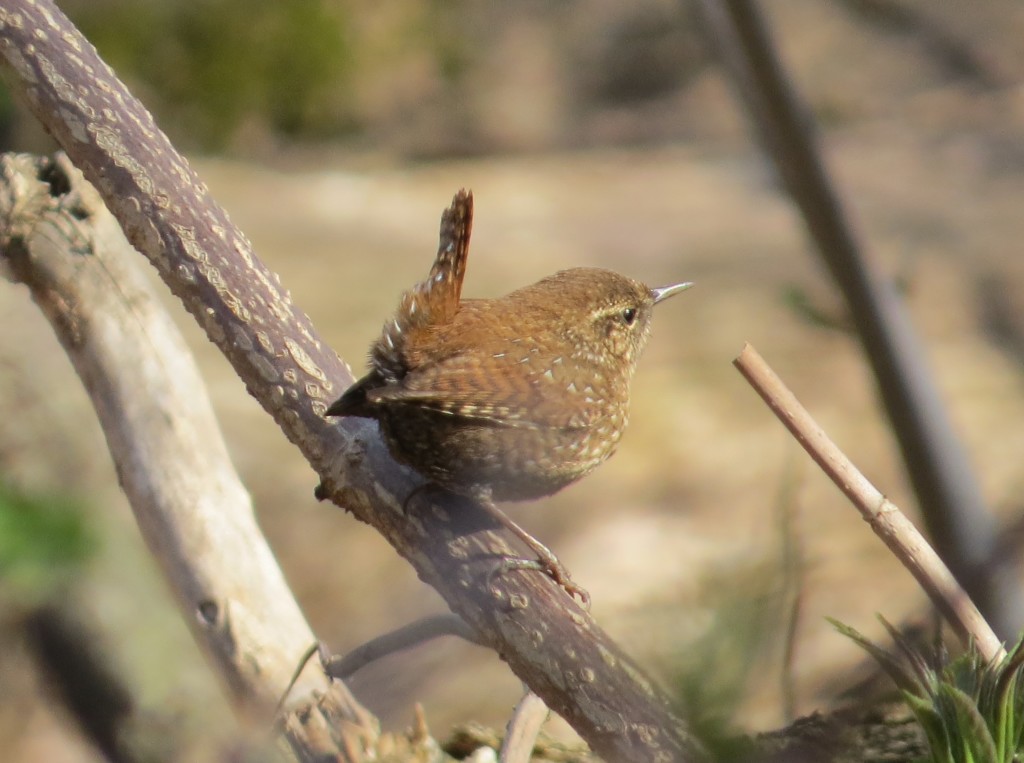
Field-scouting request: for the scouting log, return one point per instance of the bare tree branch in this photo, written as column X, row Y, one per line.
column 160, row 427
column 58, row 239
column 948, row 494
column 554, row 647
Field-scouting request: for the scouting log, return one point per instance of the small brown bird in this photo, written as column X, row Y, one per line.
column 510, row 398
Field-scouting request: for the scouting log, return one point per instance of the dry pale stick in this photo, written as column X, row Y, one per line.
column 888, row 522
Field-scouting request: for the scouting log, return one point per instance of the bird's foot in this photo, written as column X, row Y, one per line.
column 550, row 565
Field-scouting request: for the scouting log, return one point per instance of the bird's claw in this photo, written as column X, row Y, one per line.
column 553, row 568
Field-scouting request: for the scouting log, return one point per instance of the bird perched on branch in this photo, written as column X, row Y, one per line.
column 511, row 398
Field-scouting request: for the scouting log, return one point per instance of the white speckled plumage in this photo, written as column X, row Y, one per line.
column 510, row 398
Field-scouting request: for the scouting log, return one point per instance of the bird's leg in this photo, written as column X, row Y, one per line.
column 545, row 562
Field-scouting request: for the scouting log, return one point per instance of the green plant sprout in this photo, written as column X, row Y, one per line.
column 971, row 710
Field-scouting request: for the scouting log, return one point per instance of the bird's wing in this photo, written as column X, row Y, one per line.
column 500, row 390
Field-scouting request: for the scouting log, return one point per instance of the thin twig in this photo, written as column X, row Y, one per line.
column 400, row 639
column 889, row 523
column 522, row 730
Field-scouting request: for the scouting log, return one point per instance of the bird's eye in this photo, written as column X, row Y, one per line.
column 629, row 315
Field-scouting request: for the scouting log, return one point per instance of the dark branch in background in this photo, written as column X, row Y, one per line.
column 83, row 680
column 1000, row 319
column 956, row 55
column 166, row 212
column 948, row 495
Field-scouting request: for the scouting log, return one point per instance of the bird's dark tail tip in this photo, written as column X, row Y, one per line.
column 353, row 402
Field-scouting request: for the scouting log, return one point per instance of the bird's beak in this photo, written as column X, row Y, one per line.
column 664, row 292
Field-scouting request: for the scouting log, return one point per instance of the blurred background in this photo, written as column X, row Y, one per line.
column 592, row 132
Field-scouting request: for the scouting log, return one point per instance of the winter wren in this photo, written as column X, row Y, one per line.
column 510, row 398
